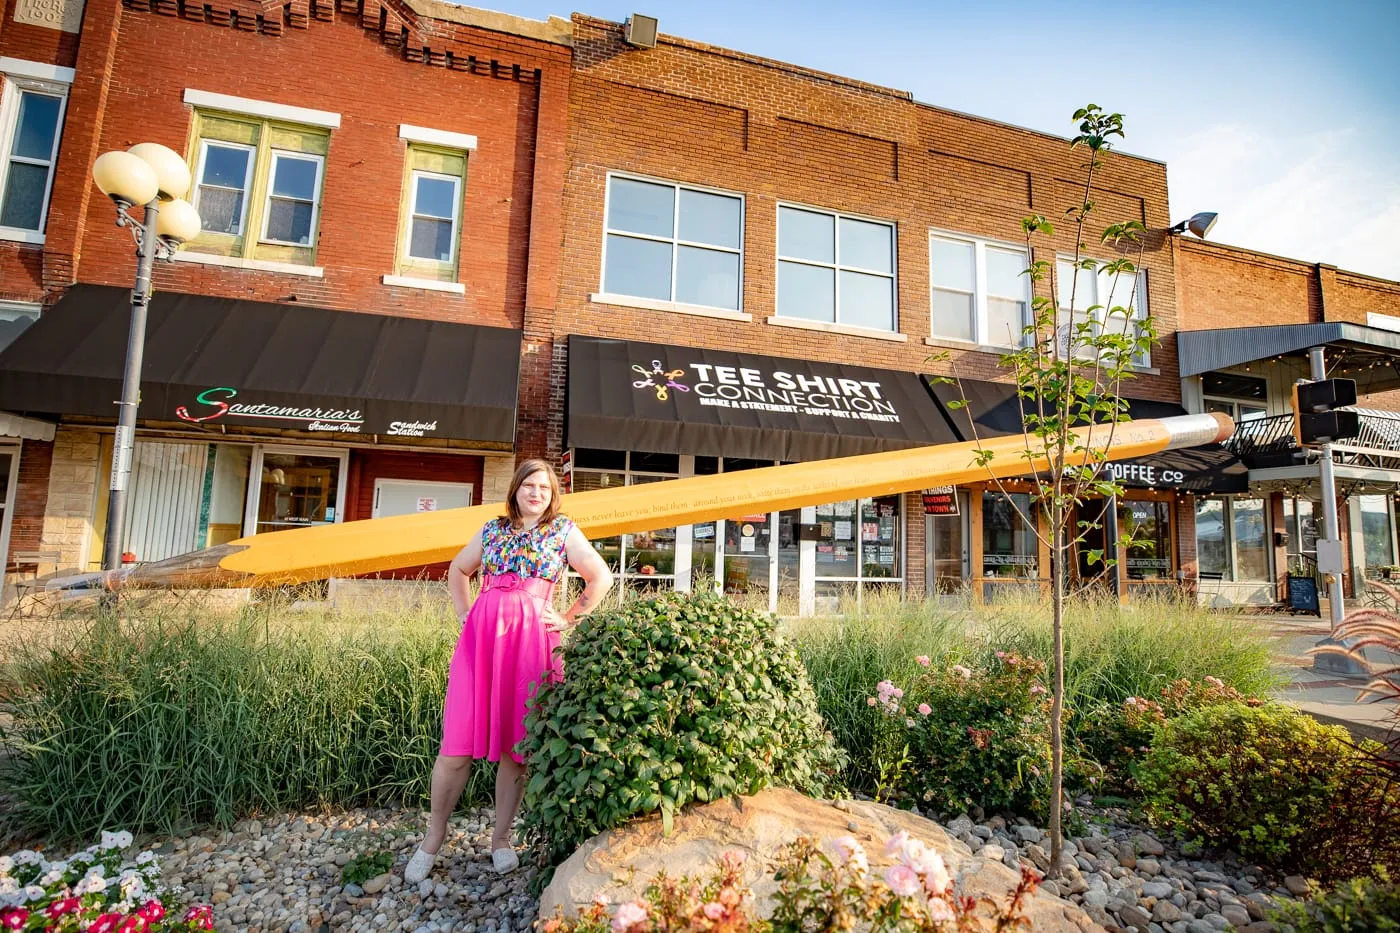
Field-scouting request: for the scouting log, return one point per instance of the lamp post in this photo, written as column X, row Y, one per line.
column 154, row 176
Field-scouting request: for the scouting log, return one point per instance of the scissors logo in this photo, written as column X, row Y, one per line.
column 659, row 379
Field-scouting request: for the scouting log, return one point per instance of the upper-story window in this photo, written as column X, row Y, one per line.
column 979, row 290
column 32, row 101
column 1243, row 398
column 1110, row 303
column 836, row 269
column 430, row 216
column 259, row 170
column 673, row 243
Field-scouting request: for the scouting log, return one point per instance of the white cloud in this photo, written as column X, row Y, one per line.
column 1309, row 196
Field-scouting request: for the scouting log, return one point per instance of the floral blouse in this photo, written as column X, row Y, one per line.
column 530, row 552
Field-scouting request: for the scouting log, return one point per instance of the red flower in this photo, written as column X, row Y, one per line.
column 105, row 923
column 63, row 906
column 153, row 912
column 201, row 915
column 133, row 924
column 15, row 918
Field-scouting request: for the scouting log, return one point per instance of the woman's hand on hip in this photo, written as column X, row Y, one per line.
column 554, row 621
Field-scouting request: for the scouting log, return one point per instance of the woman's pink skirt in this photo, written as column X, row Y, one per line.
column 504, row 654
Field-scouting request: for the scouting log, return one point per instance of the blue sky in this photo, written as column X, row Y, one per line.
column 1282, row 116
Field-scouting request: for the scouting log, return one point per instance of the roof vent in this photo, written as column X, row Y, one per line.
column 640, row 31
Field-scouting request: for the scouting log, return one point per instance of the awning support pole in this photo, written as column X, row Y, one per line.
column 1330, row 525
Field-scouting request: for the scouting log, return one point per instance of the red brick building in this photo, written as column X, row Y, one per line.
column 380, row 187
column 437, row 239
column 724, row 210
column 1249, row 322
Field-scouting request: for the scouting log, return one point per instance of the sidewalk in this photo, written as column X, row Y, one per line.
column 1326, row 696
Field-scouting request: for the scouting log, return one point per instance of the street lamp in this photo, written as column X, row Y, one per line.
column 154, row 176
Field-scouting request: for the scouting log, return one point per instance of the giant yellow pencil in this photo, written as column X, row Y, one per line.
column 429, row 537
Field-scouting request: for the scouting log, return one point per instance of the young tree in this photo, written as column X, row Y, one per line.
column 1074, row 355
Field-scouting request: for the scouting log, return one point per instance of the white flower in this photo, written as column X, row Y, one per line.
column 939, row 912
column 92, row 884
column 27, row 857
column 33, row 893
column 145, row 857
column 124, row 839
column 8, row 886
column 96, row 871
column 849, row 852
column 6, row 863
column 896, row 844
column 51, row 877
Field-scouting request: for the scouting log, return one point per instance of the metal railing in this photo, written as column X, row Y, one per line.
column 1261, row 442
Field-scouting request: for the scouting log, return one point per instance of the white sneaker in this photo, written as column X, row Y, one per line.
column 505, row 860
column 418, row 867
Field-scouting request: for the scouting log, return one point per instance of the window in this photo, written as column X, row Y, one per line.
column 31, row 122
column 1232, row 539
column 431, row 226
column 1145, row 528
column 671, row 243
column 640, row 560
column 1243, row 398
column 1087, row 296
column 258, row 187
column 1376, row 526
column 979, row 291
column 835, row 269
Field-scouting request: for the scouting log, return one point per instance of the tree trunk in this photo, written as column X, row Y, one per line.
column 1057, row 758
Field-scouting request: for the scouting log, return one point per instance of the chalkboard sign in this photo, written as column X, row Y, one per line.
column 1302, row 595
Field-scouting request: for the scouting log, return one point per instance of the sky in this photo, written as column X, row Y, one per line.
column 1283, row 117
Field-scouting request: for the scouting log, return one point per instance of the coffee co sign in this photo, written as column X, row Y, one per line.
column 1137, row 473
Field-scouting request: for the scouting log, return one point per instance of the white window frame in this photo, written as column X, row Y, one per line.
column 414, row 175
column 1232, row 554
column 320, row 161
column 12, row 85
column 675, row 241
column 981, row 333
column 252, row 151
column 255, row 465
column 836, row 266
column 1139, row 302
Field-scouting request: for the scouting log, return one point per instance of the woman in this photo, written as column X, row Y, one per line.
column 506, row 650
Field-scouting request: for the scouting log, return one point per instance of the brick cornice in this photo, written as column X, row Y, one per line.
column 397, row 25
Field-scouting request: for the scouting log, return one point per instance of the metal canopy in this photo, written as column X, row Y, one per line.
column 1354, row 350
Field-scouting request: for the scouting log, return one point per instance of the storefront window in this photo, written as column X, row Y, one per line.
column 1251, row 545
column 1147, row 539
column 296, row 490
column 1376, row 532
column 1009, row 545
column 1212, row 552
column 1232, row 539
column 640, row 560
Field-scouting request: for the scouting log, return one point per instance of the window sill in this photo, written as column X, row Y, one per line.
column 431, row 285
column 17, row 235
column 952, row 343
column 251, row 265
column 1145, row 370
column 846, row 329
column 651, row 304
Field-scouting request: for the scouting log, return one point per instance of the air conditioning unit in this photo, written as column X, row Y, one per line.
column 640, row 31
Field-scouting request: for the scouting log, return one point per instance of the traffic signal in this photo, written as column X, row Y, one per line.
column 1316, row 418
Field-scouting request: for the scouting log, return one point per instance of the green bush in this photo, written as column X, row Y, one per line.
column 971, row 738
column 1258, row 779
column 175, row 720
column 1115, row 737
column 666, row 701
column 1362, row 905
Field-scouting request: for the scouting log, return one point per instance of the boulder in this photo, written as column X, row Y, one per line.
column 621, row 863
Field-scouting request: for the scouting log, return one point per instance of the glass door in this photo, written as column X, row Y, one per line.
column 295, row 488
column 747, row 556
column 947, row 569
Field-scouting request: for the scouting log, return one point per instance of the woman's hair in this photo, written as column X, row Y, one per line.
column 523, row 472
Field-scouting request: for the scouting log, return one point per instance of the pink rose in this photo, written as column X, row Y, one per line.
column 939, row 912
column 896, row 844
column 902, row 880
column 628, row 916
column 714, row 910
column 923, row 660
column 871, row 701
column 925, row 709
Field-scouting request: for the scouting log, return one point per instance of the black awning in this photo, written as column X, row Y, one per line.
column 996, row 410
column 223, row 361
column 625, row 395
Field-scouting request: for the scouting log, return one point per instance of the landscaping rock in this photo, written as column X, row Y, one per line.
column 622, row 862
column 1297, row 885
column 1148, row 845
